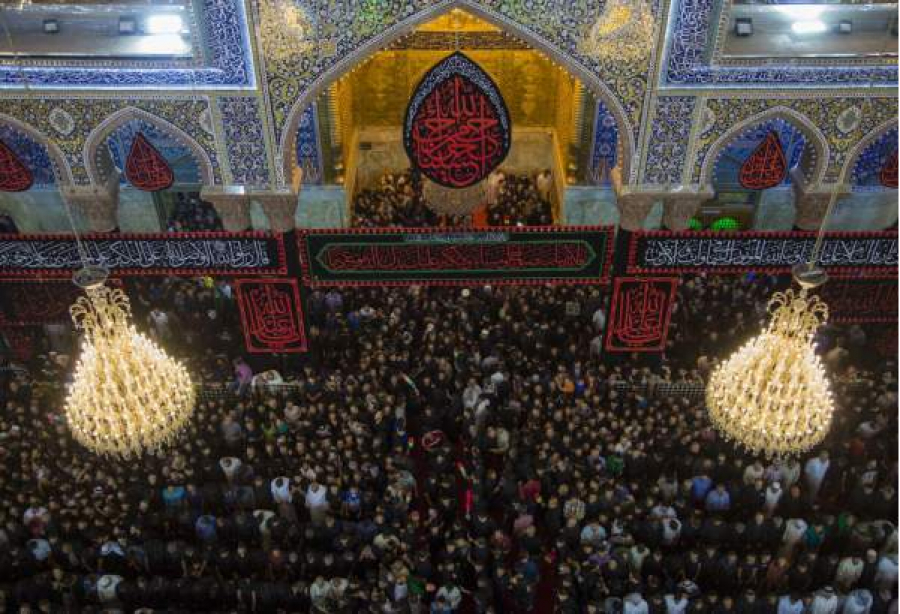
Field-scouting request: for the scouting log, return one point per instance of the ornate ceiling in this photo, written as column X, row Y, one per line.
column 240, row 108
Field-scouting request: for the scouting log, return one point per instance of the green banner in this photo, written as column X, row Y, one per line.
column 387, row 256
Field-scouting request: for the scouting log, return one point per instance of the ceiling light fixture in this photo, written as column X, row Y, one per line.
column 800, row 11
column 51, row 26
column 164, row 24
column 127, row 25
column 810, row 26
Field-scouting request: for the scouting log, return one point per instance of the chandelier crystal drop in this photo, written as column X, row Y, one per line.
column 128, row 396
column 623, row 32
column 772, row 396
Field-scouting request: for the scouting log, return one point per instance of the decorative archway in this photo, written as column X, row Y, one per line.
column 815, row 140
column 99, row 135
column 287, row 146
column 59, row 166
column 882, row 135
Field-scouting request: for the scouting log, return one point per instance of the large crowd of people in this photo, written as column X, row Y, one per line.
column 509, row 200
column 452, row 450
column 191, row 214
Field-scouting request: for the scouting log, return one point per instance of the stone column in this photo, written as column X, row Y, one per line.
column 97, row 205
column 812, row 205
column 279, row 208
column 634, row 209
column 232, row 203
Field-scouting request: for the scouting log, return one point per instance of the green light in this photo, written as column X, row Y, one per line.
column 725, row 223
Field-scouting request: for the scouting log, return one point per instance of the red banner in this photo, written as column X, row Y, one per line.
column 639, row 314
column 271, row 315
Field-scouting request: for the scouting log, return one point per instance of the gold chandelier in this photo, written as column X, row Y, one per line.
column 772, row 396
column 128, row 395
column 624, row 31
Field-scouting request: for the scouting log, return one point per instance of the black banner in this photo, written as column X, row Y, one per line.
column 221, row 253
column 387, row 256
column 773, row 252
column 860, row 300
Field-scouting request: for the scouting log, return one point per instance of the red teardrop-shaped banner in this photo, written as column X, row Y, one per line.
column 888, row 174
column 766, row 167
column 14, row 175
column 457, row 127
column 145, row 167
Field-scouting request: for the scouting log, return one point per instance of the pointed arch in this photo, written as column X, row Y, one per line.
column 859, row 149
column 97, row 138
column 62, row 172
column 288, row 140
column 813, row 135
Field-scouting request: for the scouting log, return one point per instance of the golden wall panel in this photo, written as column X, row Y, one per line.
column 381, row 88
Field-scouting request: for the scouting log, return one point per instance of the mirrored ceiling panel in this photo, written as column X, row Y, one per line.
column 808, row 32
column 122, row 30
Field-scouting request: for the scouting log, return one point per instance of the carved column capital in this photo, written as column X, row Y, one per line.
column 677, row 212
column 279, row 208
column 97, row 205
column 634, row 209
column 232, row 203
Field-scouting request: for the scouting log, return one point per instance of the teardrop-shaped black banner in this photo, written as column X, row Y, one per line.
column 457, row 128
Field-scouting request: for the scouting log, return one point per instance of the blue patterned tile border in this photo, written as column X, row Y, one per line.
column 230, row 62
column 668, row 144
column 309, row 152
column 245, row 139
column 604, row 151
column 691, row 23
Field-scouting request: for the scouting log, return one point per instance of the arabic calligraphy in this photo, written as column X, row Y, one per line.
column 457, row 127
column 146, row 168
column 566, row 255
column 684, row 253
column 14, row 175
column 44, row 302
column 640, row 313
column 858, row 300
column 143, row 254
column 271, row 315
column 766, row 167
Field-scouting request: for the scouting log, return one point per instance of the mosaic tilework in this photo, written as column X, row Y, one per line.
column 669, row 134
column 245, row 140
column 90, row 112
column 690, row 31
column 31, row 153
column 822, row 112
column 604, row 149
column 344, row 27
column 230, row 63
column 309, row 154
column 732, row 157
column 864, row 176
column 177, row 154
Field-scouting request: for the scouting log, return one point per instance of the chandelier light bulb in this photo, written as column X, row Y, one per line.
column 128, row 396
column 772, row 396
